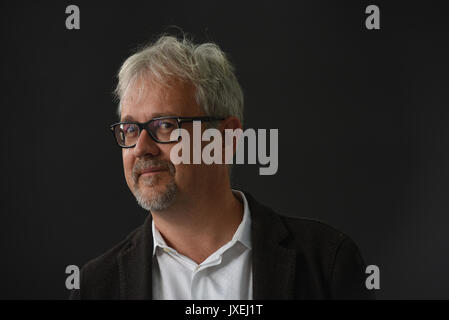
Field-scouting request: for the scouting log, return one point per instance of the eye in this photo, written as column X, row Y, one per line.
column 165, row 124
column 129, row 129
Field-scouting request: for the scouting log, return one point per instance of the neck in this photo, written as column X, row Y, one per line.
column 202, row 224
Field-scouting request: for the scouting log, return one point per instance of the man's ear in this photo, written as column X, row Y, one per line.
column 230, row 123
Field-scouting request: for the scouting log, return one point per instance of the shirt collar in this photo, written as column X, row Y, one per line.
column 158, row 241
column 242, row 234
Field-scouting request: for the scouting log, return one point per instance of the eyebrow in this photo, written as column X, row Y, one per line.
column 156, row 115
column 127, row 118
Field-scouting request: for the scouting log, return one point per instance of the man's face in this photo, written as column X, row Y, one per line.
column 149, row 173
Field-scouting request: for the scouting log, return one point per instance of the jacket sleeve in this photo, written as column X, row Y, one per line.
column 75, row 295
column 348, row 273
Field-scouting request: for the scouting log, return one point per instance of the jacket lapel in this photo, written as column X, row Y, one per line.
column 273, row 264
column 135, row 265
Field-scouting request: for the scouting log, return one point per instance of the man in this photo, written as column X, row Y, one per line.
column 202, row 239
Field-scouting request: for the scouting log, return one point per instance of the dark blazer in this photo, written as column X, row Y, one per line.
column 293, row 258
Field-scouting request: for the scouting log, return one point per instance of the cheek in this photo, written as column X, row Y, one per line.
column 182, row 170
column 128, row 162
column 187, row 174
column 165, row 150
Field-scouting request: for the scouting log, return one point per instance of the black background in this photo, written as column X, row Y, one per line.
column 362, row 118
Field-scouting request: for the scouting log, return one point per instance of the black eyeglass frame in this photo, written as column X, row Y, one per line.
column 144, row 126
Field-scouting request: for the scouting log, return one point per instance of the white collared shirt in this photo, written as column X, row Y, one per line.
column 225, row 275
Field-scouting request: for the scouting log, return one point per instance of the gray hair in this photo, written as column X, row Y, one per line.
column 205, row 66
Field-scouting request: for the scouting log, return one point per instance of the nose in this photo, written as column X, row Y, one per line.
column 146, row 146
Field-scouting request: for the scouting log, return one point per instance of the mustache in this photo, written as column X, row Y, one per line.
column 143, row 164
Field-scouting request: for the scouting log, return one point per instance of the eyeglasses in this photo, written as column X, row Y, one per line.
column 160, row 129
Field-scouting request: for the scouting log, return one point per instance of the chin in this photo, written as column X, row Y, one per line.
column 156, row 197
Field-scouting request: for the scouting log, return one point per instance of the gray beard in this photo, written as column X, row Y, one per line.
column 157, row 202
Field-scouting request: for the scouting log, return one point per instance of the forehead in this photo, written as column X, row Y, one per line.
column 145, row 99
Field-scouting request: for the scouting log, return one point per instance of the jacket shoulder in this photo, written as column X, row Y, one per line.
column 312, row 233
column 100, row 276
column 318, row 241
column 335, row 258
